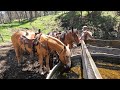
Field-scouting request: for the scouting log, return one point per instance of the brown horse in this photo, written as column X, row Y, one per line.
column 45, row 44
column 23, row 42
column 68, row 37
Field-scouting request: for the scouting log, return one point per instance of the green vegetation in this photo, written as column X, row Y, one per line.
column 105, row 21
column 45, row 23
column 101, row 23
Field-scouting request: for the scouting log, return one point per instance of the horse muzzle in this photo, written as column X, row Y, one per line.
column 79, row 44
column 68, row 65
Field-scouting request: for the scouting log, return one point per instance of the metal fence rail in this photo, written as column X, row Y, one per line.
column 52, row 72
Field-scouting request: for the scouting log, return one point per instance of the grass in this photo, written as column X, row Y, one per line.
column 45, row 23
column 6, row 34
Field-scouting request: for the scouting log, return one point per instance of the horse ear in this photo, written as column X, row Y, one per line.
column 39, row 30
column 68, row 45
column 26, row 33
column 65, row 47
column 72, row 29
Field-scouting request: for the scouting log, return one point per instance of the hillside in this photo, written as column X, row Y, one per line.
column 65, row 20
column 45, row 23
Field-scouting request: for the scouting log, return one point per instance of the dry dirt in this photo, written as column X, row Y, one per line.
column 10, row 70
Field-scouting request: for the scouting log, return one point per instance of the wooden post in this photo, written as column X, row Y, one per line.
column 90, row 70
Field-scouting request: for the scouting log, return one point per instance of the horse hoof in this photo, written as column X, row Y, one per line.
column 48, row 70
column 42, row 73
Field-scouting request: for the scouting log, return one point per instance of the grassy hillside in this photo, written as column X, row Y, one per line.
column 45, row 23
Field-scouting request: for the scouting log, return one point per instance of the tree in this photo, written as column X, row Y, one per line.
column 26, row 15
column 17, row 16
column 36, row 14
column 9, row 15
column 30, row 15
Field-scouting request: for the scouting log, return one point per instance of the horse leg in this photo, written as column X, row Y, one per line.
column 21, row 55
column 57, row 59
column 31, row 57
column 47, row 64
column 18, row 55
column 41, row 64
column 51, row 61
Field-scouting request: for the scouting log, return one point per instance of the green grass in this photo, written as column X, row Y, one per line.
column 45, row 23
column 107, row 13
column 6, row 34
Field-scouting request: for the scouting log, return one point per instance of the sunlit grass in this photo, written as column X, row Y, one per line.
column 45, row 23
column 6, row 34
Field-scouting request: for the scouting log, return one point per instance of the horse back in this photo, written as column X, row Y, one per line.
column 22, row 38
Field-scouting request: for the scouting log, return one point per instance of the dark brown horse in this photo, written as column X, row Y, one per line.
column 68, row 37
column 45, row 44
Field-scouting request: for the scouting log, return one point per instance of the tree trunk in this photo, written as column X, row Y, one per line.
column 21, row 15
column 36, row 14
column 40, row 14
column 55, row 12
column 118, row 31
column 26, row 15
column 9, row 15
column 18, row 17
column 0, row 17
column 31, row 16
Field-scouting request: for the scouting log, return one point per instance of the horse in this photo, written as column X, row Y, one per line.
column 68, row 37
column 45, row 44
column 23, row 42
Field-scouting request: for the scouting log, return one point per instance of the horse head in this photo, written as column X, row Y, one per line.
column 65, row 56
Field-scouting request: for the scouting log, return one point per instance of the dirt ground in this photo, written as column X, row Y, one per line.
column 10, row 70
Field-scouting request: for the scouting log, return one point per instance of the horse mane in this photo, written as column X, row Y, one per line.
column 62, row 36
column 57, row 40
column 74, row 30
